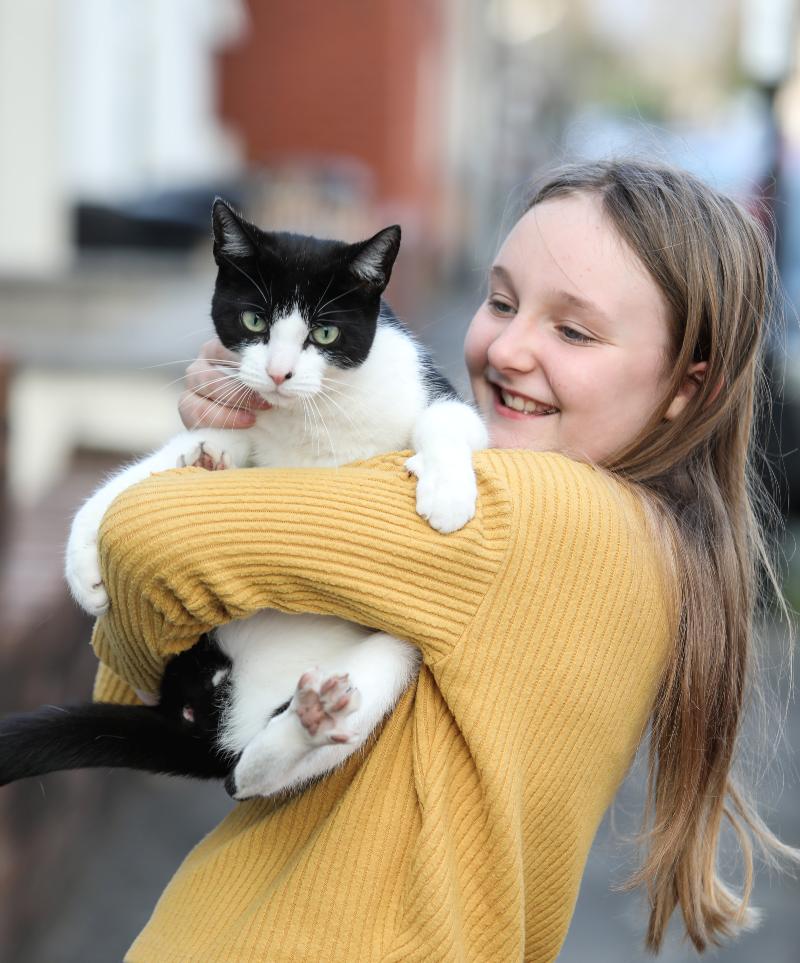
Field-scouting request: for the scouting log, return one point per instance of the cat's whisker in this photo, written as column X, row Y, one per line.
column 229, row 417
column 338, row 296
column 338, row 385
column 242, row 271
column 330, row 314
column 313, row 401
column 249, row 304
column 354, row 411
column 206, row 330
column 220, row 402
column 167, row 364
column 228, row 394
column 327, row 288
column 237, row 387
column 219, row 378
column 340, row 397
column 313, row 422
column 346, row 391
column 305, row 417
column 199, row 388
column 231, row 375
column 225, row 399
column 268, row 286
column 318, row 421
column 332, row 401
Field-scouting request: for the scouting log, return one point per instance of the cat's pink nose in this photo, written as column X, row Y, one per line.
column 280, row 378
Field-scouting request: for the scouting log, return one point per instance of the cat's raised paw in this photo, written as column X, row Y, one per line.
column 446, row 496
column 82, row 571
column 90, row 595
column 205, row 455
column 322, row 705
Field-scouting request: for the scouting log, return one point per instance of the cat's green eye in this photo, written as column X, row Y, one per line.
column 253, row 321
column 325, row 334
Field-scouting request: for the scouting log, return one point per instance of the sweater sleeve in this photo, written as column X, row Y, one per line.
column 188, row 550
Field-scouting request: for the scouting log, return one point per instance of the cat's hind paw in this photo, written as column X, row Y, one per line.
column 206, row 455
column 322, row 706
column 446, row 496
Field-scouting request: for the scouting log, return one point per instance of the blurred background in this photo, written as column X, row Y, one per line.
column 119, row 122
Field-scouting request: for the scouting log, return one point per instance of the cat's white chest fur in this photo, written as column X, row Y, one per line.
column 352, row 416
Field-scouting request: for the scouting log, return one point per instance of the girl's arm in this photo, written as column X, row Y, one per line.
column 187, row 550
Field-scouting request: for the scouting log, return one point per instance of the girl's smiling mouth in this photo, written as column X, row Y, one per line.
column 510, row 404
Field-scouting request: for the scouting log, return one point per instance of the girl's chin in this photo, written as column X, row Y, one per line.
column 535, row 435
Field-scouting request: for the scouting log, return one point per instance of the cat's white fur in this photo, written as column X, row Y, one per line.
column 321, row 416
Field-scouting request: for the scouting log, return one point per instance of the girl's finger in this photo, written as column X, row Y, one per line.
column 197, row 411
column 215, row 350
column 212, row 381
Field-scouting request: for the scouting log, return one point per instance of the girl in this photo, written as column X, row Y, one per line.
column 607, row 584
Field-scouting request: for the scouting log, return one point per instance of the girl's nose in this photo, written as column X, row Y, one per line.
column 515, row 348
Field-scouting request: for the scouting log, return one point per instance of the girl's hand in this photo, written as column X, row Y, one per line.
column 208, row 401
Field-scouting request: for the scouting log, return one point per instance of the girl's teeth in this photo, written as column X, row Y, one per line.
column 523, row 404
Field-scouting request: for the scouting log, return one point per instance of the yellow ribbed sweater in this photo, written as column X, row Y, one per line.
column 461, row 833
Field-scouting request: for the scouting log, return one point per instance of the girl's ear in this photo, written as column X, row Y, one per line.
column 692, row 381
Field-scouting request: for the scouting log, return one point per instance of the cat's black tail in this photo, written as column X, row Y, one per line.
column 102, row 734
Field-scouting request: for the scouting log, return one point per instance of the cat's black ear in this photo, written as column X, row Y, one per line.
column 233, row 235
column 372, row 260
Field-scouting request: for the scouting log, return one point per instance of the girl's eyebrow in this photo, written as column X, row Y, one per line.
column 502, row 275
column 574, row 301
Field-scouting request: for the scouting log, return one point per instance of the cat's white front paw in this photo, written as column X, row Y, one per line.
column 208, row 455
column 446, row 494
column 322, row 706
column 82, row 568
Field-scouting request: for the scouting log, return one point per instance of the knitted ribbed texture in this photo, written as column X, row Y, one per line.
column 461, row 834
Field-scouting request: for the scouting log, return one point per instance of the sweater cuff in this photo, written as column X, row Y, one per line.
column 108, row 687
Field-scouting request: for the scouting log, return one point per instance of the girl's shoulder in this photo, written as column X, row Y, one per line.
column 560, row 493
column 578, row 516
column 554, row 482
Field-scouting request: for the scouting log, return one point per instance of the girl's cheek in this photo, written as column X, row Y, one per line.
column 475, row 345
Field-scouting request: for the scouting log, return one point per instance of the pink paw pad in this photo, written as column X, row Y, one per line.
column 203, row 457
column 323, row 704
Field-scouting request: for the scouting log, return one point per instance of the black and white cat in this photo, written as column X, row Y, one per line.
column 345, row 381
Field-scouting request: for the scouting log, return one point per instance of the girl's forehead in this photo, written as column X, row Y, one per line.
column 569, row 244
column 567, row 230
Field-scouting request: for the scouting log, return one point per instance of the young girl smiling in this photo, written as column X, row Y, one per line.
column 607, row 585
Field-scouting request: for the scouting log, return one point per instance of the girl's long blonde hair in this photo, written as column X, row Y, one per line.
column 713, row 263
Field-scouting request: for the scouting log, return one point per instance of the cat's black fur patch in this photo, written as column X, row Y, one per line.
column 154, row 739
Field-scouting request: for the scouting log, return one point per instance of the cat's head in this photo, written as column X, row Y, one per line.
column 293, row 307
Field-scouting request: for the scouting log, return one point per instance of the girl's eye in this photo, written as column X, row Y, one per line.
column 253, row 321
column 573, row 335
column 325, row 334
column 501, row 307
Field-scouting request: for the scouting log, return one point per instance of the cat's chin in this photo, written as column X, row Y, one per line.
column 276, row 400
column 280, row 401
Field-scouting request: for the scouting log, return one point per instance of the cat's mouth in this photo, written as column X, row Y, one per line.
column 276, row 399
